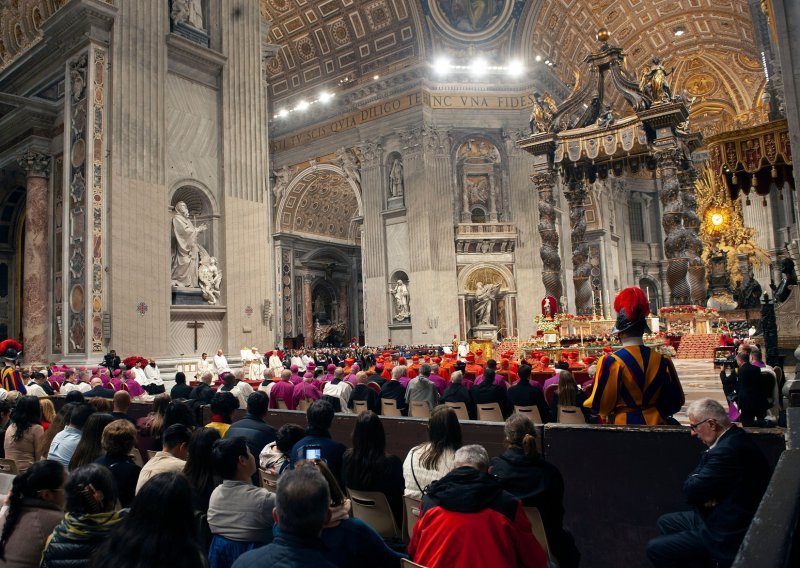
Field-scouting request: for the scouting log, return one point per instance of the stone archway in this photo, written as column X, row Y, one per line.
column 504, row 308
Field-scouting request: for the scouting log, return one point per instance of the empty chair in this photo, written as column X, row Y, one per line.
column 8, row 466
column 304, row 404
column 268, row 480
column 537, row 527
column 419, row 409
column 389, row 407
column 531, row 412
column 459, row 408
column 490, row 412
column 570, row 415
column 282, row 404
column 360, row 406
column 373, row 508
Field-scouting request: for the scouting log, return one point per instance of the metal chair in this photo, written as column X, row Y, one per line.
column 537, row 527
column 531, row 412
column 459, row 408
column 360, row 406
column 490, row 412
column 419, row 409
column 570, row 415
column 373, row 508
column 9, row 466
column 268, row 480
column 389, row 407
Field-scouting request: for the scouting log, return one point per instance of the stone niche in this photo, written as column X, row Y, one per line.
column 479, row 177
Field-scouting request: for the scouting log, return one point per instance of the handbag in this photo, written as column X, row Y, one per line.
column 733, row 412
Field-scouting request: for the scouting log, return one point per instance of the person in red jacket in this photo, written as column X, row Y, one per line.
column 468, row 502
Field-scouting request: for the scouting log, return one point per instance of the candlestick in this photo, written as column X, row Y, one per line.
column 608, row 303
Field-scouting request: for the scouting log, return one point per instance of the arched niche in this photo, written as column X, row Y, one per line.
column 202, row 210
column 650, row 287
column 479, row 167
column 399, row 291
column 395, row 181
column 504, row 309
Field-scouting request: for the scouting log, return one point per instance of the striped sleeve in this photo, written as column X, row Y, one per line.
column 603, row 399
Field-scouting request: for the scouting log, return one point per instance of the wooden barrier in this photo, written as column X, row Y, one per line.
column 618, row 479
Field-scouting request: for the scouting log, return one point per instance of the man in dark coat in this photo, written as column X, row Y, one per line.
column 252, row 427
column 457, row 392
column 725, row 490
column 488, row 392
column 527, row 393
column 750, row 392
column 394, row 390
column 363, row 392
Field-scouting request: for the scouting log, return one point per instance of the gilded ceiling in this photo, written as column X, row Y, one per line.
column 20, row 25
column 322, row 203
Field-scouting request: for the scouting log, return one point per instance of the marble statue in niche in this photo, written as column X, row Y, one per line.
column 399, row 292
column 282, row 178
column 189, row 12
column 485, row 296
column 348, row 162
column 396, row 183
column 192, row 265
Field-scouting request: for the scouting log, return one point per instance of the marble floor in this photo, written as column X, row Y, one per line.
column 700, row 380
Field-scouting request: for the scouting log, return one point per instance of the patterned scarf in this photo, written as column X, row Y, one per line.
column 86, row 527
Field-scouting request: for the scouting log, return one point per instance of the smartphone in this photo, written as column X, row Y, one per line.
column 313, row 452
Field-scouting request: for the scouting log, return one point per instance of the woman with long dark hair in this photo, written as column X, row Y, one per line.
column 368, row 468
column 567, row 394
column 158, row 531
column 434, row 459
column 34, row 509
column 199, row 469
column 90, row 447
column 91, row 496
column 151, row 427
column 24, row 440
column 537, row 483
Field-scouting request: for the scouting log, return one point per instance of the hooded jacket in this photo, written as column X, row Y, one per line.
column 467, row 502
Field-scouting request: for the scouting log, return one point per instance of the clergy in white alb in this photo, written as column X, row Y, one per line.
column 221, row 363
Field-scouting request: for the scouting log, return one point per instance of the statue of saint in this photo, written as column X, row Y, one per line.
column 347, row 161
column 282, row 178
column 187, row 251
column 210, row 277
column 654, row 82
column 188, row 12
column 485, row 295
column 396, row 187
column 401, row 307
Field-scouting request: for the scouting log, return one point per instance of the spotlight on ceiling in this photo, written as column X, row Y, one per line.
column 538, row 58
column 516, row 68
column 282, row 113
column 441, row 66
column 478, row 67
column 376, row 77
column 679, row 31
column 302, row 105
column 325, row 96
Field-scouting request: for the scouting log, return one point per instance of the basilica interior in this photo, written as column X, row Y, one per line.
column 329, row 153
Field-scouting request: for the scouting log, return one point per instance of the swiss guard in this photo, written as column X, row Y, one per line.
column 10, row 351
column 635, row 385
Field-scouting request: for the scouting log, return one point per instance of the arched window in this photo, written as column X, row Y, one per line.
column 478, row 215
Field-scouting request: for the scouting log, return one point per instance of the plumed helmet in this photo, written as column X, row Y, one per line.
column 10, row 350
column 632, row 308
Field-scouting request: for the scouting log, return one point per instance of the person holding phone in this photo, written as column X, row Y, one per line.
column 317, row 443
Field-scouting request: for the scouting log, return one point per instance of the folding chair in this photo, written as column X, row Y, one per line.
column 570, row 415
column 411, row 511
column 531, row 412
column 419, row 409
column 268, row 480
column 360, row 406
column 9, row 466
column 537, row 527
column 389, row 407
column 459, row 408
column 373, row 508
column 490, row 412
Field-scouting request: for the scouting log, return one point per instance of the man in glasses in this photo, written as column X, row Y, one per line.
column 724, row 490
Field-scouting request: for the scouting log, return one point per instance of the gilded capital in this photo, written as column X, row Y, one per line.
column 35, row 164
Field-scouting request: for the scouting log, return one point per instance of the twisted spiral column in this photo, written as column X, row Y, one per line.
column 675, row 234
column 576, row 197
column 551, row 270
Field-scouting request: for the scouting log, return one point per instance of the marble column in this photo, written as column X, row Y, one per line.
column 343, row 313
column 308, row 317
column 581, row 270
column 674, row 232
column 34, row 300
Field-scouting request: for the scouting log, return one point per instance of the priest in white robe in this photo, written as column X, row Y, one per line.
column 204, row 365
column 221, row 363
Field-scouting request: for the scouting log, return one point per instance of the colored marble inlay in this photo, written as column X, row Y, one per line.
column 98, row 181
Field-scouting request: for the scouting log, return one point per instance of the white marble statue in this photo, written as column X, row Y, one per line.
column 186, row 256
column 210, row 278
column 282, row 178
column 401, row 306
column 485, row 295
column 347, row 161
column 188, row 12
column 396, row 184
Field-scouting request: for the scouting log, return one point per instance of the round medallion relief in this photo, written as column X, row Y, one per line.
column 701, row 84
column 76, row 299
column 78, row 152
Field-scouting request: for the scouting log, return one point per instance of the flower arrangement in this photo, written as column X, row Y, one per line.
column 550, row 324
column 130, row 362
column 573, row 317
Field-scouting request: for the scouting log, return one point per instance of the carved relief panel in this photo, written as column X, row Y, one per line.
column 479, row 178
